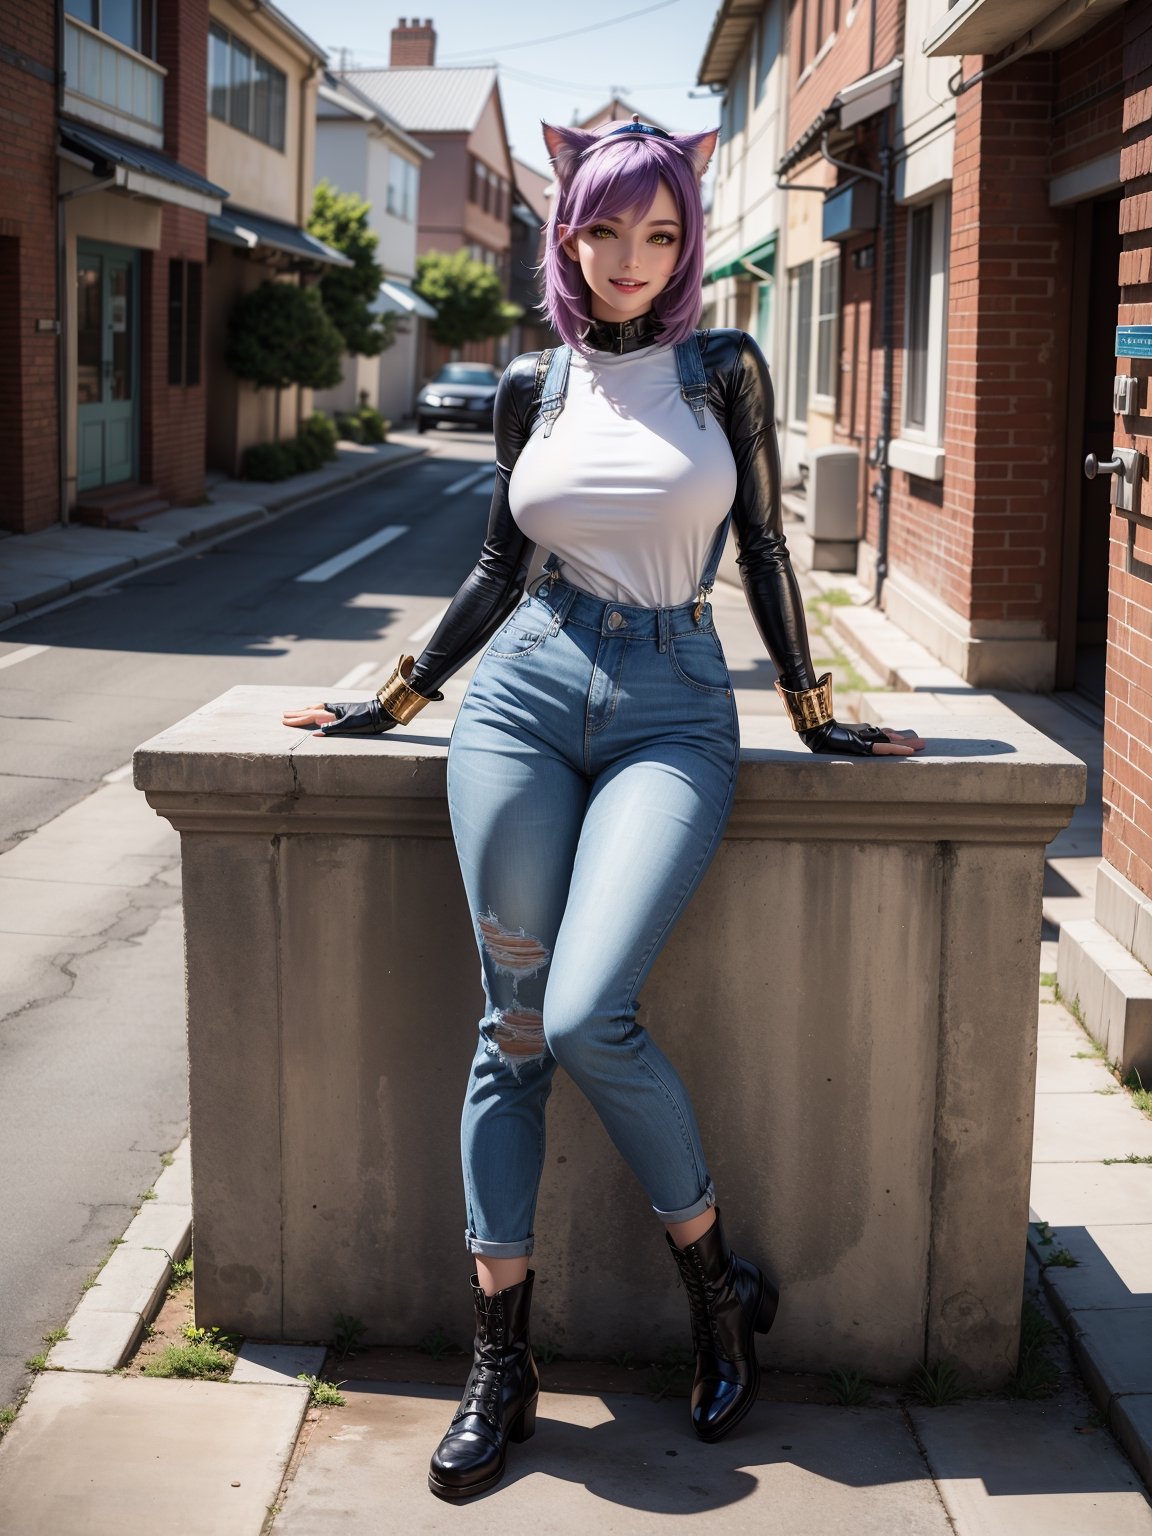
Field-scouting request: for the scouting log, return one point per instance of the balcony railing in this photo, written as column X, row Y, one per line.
column 111, row 85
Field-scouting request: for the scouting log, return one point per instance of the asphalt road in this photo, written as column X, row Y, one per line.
column 93, row 1058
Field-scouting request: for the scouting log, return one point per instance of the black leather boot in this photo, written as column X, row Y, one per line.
column 499, row 1402
column 729, row 1301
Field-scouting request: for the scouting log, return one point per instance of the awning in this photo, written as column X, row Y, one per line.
column 146, row 172
column 250, row 231
column 987, row 26
column 396, row 298
column 758, row 261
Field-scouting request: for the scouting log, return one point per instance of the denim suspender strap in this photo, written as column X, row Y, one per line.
column 555, row 387
column 693, row 384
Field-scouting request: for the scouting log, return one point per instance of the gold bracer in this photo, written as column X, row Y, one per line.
column 808, row 707
column 397, row 698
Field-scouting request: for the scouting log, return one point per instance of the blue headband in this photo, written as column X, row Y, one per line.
column 635, row 126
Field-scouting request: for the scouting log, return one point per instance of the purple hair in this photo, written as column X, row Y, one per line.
column 610, row 180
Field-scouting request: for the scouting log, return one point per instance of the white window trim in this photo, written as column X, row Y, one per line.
column 920, row 450
column 798, row 423
column 824, row 404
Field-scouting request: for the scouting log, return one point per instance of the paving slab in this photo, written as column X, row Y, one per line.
column 92, row 1455
column 1083, row 1128
column 97, row 1341
column 174, row 1185
column 1054, row 1019
column 191, row 525
column 159, row 1224
column 133, row 1280
column 58, row 907
column 78, row 570
column 1113, row 1268
column 1079, row 1194
column 277, row 1364
column 616, row 1464
column 28, row 589
column 1131, row 1420
column 1063, row 1065
column 1030, row 1469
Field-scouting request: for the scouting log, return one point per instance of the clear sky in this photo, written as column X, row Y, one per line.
column 650, row 60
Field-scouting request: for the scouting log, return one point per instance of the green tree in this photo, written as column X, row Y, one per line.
column 340, row 219
column 466, row 295
column 279, row 334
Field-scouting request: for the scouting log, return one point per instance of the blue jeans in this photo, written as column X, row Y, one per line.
column 590, row 776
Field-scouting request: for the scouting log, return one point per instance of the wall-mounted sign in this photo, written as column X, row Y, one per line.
column 1134, row 341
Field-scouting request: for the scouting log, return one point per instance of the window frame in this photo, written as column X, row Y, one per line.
column 799, row 359
column 920, row 447
column 822, row 400
column 261, row 72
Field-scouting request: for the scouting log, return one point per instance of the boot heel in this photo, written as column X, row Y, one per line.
column 766, row 1311
column 524, row 1424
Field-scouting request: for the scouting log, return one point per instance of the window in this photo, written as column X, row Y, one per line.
column 402, row 187
column 919, row 447
column 769, row 49
column 735, row 110
column 827, row 329
column 800, row 339
column 185, row 307
column 244, row 89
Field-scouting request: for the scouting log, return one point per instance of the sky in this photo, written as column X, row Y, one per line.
column 647, row 52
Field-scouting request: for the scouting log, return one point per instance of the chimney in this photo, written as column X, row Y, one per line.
column 413, row 44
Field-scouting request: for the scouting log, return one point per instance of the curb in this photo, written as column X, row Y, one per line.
column 110, row 1317
column 56, row 591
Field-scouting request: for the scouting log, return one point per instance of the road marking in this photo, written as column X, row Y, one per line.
column 329, row 568
column 468, row 481
column 118, row 774
column 426, row 629
column 25, row 653
column 357, row 675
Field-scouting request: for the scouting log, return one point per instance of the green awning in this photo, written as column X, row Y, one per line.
column 762, row 256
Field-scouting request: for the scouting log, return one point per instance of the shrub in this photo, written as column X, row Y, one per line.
column 349, row 426
column 268, row 461
column 323, row 429
column 373, row 425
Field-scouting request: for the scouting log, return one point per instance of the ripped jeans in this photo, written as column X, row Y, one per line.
column 590, row 776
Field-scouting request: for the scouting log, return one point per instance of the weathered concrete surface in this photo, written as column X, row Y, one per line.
column 96, row 1455
column 619, row 1464
column 851, row 995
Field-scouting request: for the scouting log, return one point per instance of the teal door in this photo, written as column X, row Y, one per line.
column 764, row 319
column 106, row 364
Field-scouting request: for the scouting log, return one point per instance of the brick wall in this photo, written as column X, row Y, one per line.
column 1128, row 723
column 855, row 52
column 29, row 426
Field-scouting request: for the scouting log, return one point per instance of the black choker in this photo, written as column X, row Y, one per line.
column 624, row 335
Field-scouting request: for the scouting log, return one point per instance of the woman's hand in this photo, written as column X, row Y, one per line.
column 367, row 719
column 861, row 740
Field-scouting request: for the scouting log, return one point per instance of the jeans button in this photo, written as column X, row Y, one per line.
column 615, row 620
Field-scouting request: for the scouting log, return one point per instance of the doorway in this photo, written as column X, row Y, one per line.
column 1083, row 626
column 107, row 364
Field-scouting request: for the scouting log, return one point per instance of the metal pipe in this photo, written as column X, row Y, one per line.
column 61, row 305
column 882, row 491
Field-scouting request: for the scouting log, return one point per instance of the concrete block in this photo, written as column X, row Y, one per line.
column 132, row 1456
column 159, row 1225
column 621, row 1464
column 97, row 1341
column 1083, row 1194
column 1022, row 1469
column 174, row 1185
column 1113, row 1348
column 1114, row 991
column 1130, row 1418
column 1119, row 905
column 1113, row 1268
column 277, row 1364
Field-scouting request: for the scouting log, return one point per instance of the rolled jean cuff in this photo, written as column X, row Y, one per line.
column 486, row 1250
column 697, row 1208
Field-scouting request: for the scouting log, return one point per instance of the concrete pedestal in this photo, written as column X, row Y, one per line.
column 851, row 996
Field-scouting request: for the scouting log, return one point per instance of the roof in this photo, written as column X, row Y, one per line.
column 734, row 21
column 609, row 113
column 339, row 98
column 236, row 226
column 427, row 100
column 111, row 150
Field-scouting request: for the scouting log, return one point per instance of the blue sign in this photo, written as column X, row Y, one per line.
column 1134, row 341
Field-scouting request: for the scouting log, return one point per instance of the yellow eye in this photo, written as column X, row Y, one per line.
column 601, row 229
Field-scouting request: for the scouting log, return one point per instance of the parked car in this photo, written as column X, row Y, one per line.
column 460, row 392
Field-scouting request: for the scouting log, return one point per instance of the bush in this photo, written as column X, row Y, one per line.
column 269, row 461
column 364, row 425
column 349, row 427
column 323, row 430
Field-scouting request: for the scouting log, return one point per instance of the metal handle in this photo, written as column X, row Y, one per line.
column 1094, row 466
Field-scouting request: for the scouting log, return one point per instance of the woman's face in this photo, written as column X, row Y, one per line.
column 625, row 264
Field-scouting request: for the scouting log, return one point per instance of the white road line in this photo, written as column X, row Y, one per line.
column 426, row 629
column 329, row 568
column 468, row 481
column 118, row 774
column 357, row 675
column 25, row 653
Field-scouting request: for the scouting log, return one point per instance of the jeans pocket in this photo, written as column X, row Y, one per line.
column 698, row 659
column 523, row 632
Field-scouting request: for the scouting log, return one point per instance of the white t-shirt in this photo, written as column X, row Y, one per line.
column 627, row 491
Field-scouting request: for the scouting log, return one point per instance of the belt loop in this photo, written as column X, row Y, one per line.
column 662, row 628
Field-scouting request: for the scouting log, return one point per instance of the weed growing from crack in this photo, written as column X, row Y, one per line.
column 850, row 1389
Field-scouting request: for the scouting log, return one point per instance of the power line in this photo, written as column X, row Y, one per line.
column 559, row 36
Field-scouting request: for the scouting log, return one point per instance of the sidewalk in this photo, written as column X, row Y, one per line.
column 39, row 568
column 98, row 1453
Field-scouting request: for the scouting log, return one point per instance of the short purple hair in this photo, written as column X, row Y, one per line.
column 597, row 180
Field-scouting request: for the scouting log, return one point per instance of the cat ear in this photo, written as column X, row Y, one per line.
column 565, row 146
column 699, row 148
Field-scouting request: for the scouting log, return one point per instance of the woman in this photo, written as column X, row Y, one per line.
column 593, row 762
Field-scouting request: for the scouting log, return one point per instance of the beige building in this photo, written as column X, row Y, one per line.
column 263, row 78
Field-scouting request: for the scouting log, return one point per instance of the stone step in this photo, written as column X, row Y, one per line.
column 119, row 506
column 1111, row 991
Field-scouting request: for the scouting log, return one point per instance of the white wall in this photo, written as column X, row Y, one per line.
column 927, row 111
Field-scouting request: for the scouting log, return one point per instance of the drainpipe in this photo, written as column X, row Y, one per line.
column 61, row 306
column 879, row 458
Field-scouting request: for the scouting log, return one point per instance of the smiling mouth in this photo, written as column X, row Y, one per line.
column 627, row 285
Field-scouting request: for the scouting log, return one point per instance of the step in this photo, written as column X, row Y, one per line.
column 121, row 515
column 1111, row 991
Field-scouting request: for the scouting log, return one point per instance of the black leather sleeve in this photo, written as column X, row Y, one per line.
column 492, row 589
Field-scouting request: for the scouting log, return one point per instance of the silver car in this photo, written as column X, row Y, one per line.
column 460, row 392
